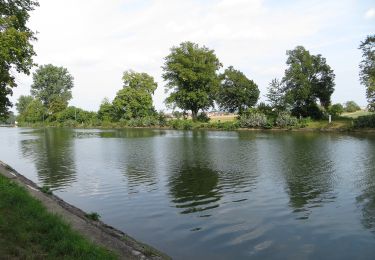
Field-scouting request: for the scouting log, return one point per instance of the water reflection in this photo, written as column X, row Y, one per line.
column 307, row 170
column 366, row 200
column 195, row 189
column 53, row 153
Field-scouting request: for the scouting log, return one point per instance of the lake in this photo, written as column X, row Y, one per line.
column 213, row 194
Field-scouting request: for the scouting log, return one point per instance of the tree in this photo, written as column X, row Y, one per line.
column 367, row 69
column 276, row 96
column 52, row 85
column 16, row 50
column 237, row 92
column 34, row 112
column 135, row 99
column 106, row 111
column 351, row 106
column 307, row 79
column 22, row 104
column 191, row 75
column 336, row 109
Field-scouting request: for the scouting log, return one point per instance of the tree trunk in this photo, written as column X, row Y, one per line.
column 194, row 114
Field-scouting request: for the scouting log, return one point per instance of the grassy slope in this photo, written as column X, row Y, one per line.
column 28, row 231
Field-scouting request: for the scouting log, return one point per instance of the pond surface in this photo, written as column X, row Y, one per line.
column 213, row 195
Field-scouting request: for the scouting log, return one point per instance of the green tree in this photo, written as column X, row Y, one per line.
column 276, row 96
column 134, row 100
column 351, row 106
column 336, row 109
column 35, row 112
column 22, row 104
column 191, row 75
column 52, row 85
column 307, row 79
column 237, row 92
column 16, row 50
column 106, row 111
column 367, row 69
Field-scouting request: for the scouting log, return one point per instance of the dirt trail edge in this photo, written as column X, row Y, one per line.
column 96, row 231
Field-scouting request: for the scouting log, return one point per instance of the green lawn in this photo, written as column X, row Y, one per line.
column 357, row 114
column 28, row 231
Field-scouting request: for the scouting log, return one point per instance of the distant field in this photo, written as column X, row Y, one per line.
column 357, row 114
column 225, row 118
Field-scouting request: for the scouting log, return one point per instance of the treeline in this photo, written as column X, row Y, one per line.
column 194, row 84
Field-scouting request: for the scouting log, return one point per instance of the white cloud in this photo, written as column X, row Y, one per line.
column 98, row 40
column 370, row 13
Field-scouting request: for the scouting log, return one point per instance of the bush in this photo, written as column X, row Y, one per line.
column 351, row 107
column 252, row 118
column 284, row 119
column 364, row 122
column 336, row 110
column 181, row 124
column 203, row 117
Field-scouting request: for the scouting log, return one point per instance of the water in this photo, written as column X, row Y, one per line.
column 213, row 195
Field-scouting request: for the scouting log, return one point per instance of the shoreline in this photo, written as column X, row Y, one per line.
column 96, row 231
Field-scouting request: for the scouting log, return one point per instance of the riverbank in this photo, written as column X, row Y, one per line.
column 33, row 223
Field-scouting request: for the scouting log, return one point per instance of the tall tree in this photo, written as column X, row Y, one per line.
column 276, row 96
column 237, row 92
column 22, row 104
column 52, row 85
column 16, row 50
column 307, row 79
column 367, row 69
column 134, row 100
column 191, row 75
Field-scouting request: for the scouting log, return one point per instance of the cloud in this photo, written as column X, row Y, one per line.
column 370, row 13
column 98, row 40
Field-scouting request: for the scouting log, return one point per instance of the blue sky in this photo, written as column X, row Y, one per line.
column 98, row 40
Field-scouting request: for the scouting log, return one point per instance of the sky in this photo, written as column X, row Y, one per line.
column 98, row 40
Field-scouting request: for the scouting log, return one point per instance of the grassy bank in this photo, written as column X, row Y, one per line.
column 28, row 231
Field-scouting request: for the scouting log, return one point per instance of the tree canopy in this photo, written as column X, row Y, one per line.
column 134, row 100
column 307, row 79
column 237, row 92
column 52, row 85
column 16, row 50
column 191, row 75
column 367, row 69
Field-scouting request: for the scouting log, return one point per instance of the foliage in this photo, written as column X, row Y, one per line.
column 16, row 50
column 307, row 79
column 76, row 114
column 177, row 114
column 46, row 190
column 93, row 216
column 252, row 118
column 364, row 122
column 276, row 96
column 284, row 119
column 183, row 124
column 237, row 92
column 52, row 85
column 34, row 112
column 203, row 117
column 28, row 230
column 23, row 102
column 106, row 111
column 367, row 69
column 266, row 109
column 336, row 110
column 135, row 100
column 351, row 106
column 191, row 75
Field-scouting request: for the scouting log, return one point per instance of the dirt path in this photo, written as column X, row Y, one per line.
column 96, row 231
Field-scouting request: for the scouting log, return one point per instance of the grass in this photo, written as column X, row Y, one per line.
column 225, row 118
column 46, row 190
column 28, row 231
column 357, row 114
column 93, row 216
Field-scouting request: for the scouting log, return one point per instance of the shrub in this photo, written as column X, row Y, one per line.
column 93, row 216
column 252, row 118
column 203, row 117
column 336, row 110
column 351, row 107
column 364, row 122
column 284, row 119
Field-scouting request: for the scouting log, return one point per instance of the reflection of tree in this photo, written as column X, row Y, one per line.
column 131, row 133
column 53, row 155
column 307, row 169
column 367, row 199
column 195, row 189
